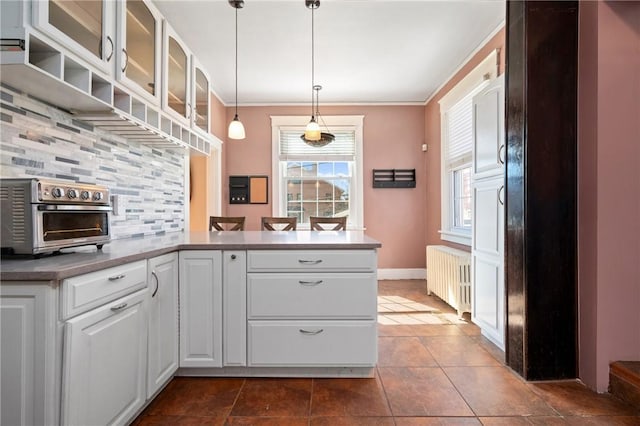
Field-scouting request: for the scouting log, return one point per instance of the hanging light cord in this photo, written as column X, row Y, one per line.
column 312, row 60
column 236, row 62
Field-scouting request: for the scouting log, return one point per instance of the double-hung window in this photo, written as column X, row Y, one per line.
column 324, row 181
column 456, row 124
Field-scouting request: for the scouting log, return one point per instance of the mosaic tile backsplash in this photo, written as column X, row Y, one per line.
column 38, row 140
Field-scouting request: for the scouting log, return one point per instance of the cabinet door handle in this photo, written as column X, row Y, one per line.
column 311, row 332
column 500, row 152
column 119, row 307
column 310, row 283
column 126, row 60
column 233, row 257
column 500, row 192
column 188, row 111
column 309, row 262
column 117, row 277
column 112, row 49
column 153, row 273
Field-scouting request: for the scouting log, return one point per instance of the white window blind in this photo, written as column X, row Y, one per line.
column 458, row 121
column 292, row 147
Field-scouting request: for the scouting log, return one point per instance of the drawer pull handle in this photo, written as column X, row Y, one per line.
column 119, row 307
column 311, row 332
column 117, row 277
column 153, row 273
column 310, row 283
column 309, row 262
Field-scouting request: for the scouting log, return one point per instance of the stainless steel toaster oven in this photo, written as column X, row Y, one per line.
column 40, row 215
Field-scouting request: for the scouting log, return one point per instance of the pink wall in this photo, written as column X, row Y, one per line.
column 432, row 138
column 393, row 136
column 609, row 313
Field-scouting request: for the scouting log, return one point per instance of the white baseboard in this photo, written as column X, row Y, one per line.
column 402, row 274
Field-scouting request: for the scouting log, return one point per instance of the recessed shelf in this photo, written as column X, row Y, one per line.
column 45, row 57
column 139, row 110
column 394, row 178
column 77, row 75
column 101, row 89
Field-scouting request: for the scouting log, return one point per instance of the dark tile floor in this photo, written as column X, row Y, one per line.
column 433, row 369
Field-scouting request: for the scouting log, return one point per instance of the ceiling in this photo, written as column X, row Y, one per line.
column 366, row 51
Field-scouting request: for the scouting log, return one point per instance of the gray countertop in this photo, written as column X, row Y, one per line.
column 88, row 259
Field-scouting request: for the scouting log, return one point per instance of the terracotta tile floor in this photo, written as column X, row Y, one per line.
column 433, row 369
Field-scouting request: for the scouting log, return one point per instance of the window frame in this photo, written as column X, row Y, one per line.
column 470, row 85
column 334, row 122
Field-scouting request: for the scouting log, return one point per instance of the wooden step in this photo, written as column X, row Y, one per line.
column 624, row 381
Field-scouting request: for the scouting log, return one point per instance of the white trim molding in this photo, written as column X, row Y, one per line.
column 402, row 274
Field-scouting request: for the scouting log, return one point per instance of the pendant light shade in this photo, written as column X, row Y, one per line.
column 313, row 135
column 312, row 131
column 236, row 129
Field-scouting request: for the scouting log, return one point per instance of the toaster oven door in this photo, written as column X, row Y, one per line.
column 62, row 226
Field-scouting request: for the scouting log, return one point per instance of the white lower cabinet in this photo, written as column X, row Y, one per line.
column 28, row 394
column 163, row 321
column 312, row 343
column 104, row 368
column 487, row 265
column 312, row 308
column 234, row 293
column 200, row 308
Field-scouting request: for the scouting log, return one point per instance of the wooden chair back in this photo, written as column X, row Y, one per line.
column 225, row 223
column 271, row 223
column 339, row 223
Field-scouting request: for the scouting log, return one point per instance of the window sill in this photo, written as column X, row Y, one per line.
column 456, row 237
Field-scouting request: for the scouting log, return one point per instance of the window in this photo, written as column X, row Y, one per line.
column 323, row 181
column 456, row 112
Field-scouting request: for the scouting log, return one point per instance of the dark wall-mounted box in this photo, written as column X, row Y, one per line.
column 394, row 178
column 248, row 189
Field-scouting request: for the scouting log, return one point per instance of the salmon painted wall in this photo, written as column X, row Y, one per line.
column 200, row 172
column 432, row 138
column 609, row 188
column 393, row 136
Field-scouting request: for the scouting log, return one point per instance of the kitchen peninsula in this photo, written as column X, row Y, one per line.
column 115, row 325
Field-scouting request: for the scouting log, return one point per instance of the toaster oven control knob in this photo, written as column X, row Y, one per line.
column 72, row 193
column 57, row 192
column 85, row 195
column 97, row 196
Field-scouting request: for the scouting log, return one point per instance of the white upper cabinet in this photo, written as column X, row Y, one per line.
column 488, row 130
column 176, row 76
column 139, row 52
column 200, row 88
column 85, row 27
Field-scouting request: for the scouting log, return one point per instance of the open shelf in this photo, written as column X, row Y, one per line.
column 46, row 73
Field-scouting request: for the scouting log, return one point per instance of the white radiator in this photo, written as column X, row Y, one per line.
column 449, row 276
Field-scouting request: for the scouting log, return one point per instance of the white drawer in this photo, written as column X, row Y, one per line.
column 311, row 260
column 313, row 343
column 312, row 296
column 84, row 292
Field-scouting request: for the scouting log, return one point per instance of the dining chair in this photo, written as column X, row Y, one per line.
column 226, row 223
column 271, row 223
column 339, row 223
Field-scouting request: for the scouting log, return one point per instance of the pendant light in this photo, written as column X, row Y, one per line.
column 312, row 134
column 236, row 129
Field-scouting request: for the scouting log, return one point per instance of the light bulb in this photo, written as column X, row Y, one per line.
column 312, row 131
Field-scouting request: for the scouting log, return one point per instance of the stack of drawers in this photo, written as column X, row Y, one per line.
column 312, row 308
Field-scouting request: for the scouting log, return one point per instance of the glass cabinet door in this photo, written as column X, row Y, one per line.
column 177, row 78
column 201, row 100
column 139, row 51
column 85, row 27
column 81, row 21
